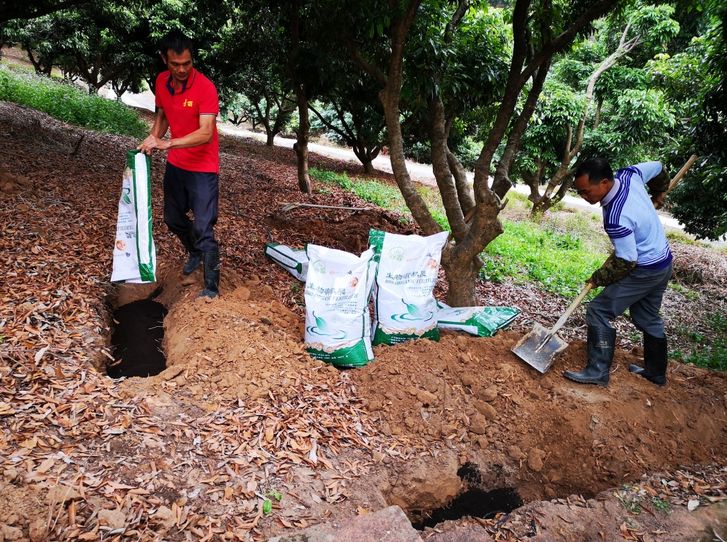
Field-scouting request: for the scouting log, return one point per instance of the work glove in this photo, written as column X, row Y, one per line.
column 612, row 270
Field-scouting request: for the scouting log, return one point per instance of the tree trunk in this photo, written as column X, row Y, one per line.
column 364, row 154
column 269, row 138
column 533, row 180
column 461, row 282
column 464, row 189
column 390, row 96
column 301, row 147
column 368, row 165
column 440, row 167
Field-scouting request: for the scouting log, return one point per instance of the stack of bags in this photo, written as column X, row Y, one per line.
column 401, row 272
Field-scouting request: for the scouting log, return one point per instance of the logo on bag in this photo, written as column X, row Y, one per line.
column 125, row 195
column 412, row 314
column 396, row 253
column 323, row 330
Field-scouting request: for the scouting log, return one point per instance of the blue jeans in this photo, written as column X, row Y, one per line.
column 641, row 292
column 191, row 191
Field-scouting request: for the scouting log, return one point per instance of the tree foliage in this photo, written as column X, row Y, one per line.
column 700, row 202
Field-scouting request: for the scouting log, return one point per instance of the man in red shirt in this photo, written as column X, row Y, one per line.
column 187, row 105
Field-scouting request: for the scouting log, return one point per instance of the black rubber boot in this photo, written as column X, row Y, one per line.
column 211, row 274
column 195, row 256
column 601, row 344
column 655, row 360
column 193, row 262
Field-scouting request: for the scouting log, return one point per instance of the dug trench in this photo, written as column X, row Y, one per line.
column 241, row 413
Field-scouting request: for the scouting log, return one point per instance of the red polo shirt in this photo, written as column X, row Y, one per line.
column 182, row 109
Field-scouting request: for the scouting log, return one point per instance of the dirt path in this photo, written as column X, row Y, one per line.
column 243, row 415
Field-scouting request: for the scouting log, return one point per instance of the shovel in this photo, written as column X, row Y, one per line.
column 539, row 347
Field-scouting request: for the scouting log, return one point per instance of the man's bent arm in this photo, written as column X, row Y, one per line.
column 200, row 136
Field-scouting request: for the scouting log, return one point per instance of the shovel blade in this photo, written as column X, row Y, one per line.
column 527, row 348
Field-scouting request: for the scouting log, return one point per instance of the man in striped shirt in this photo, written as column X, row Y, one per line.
column 636, row 274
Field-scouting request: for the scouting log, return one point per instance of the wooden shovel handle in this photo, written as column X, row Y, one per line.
column 570, row 309
column 681, row 172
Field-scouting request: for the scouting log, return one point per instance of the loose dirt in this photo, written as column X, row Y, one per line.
column 242, row 415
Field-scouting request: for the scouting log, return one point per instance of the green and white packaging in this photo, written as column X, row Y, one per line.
column 337, row 321
column 404, row 306
column 293, row 260
column 478, row 321
column 134, row 251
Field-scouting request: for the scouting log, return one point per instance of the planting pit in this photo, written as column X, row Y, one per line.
column 137, row 340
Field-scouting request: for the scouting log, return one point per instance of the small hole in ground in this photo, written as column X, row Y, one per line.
column 473, row 501
column 137, row 340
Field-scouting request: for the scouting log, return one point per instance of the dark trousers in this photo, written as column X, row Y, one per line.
column 641, row 292
column 191, row 191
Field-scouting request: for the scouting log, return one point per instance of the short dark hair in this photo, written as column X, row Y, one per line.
column 177, row 41
column 596, row 169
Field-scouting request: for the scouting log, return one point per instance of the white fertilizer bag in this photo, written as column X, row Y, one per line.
column 134, row 252
column 404, row 306
column 293, row 260
column 478, row 321
column 337, row 321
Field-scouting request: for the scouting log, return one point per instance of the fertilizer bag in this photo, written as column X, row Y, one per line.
column 478, row 321
column 293, row 260
column 134, row 252
column 337, row 321
column 404, row 306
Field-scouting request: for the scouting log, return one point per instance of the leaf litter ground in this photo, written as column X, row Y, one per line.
column 242, row 415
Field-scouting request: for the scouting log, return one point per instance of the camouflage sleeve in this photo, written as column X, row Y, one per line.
column 660, row 183
column 612, row 270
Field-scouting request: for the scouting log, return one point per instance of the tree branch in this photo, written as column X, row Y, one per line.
column 593, row 12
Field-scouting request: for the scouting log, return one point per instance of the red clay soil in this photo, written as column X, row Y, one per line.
column 242, row 414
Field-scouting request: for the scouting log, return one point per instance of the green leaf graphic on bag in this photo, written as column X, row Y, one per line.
column 323, row 330
column 413, row 313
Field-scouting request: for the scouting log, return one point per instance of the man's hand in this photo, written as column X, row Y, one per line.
column 153, row 142
column 658, row 199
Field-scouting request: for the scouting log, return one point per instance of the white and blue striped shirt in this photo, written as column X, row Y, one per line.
column 630, row 219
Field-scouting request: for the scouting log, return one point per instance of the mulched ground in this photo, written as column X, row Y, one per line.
column 242, row 415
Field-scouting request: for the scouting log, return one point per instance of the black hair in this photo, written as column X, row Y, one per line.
column 597, row 169
column 177, row 41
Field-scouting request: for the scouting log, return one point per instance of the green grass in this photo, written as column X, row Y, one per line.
column 380, row 194
column 661, row 505
column 710, row 354
column 556, row 256
column 690, row 294
column 560, row 262
column 70, row 104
